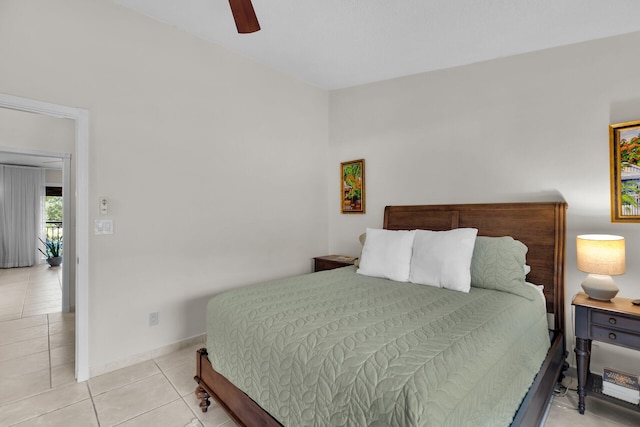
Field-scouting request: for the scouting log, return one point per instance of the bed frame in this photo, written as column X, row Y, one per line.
column 539, row 225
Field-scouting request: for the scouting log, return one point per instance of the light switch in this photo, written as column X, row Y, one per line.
column 103, row 226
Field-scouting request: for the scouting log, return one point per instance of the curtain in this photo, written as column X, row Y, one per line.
column 21, row 215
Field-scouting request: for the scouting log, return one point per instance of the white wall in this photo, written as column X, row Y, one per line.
column 53, row 177
column 215, row 166
column 36, row 132
column 525, row 128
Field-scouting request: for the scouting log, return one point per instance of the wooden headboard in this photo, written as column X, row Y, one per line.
column 539, row 225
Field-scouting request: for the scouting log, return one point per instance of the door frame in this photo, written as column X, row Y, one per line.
column 81, row 118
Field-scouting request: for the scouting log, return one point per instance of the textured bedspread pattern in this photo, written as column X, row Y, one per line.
column 336, row 348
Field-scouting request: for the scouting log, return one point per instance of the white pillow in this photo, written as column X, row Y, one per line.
column 387, row 254
column 540, row 290
column 443, row 258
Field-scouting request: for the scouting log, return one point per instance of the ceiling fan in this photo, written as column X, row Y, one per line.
column 245, row 16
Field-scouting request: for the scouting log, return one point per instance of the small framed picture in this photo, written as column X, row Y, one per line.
column 624, row 140
column 352, row 197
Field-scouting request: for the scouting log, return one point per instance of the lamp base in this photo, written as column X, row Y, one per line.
column 600, row 287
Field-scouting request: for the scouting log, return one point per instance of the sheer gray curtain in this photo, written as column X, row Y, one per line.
column 22, row 192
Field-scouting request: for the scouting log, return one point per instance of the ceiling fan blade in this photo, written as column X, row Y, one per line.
column 245, row 16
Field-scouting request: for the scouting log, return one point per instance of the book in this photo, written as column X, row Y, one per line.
column 621, row 385
column 620, row 379
column 622, row 396
column 607, row 387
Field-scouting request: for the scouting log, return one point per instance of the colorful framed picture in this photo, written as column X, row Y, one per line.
column 352, row 195
column 624, row 139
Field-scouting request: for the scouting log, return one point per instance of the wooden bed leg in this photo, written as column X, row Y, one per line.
column 201, row 393
column 204, row 398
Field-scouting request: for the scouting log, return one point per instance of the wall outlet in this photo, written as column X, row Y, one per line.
column 153, row 318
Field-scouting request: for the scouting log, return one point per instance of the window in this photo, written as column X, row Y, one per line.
column 53, row 211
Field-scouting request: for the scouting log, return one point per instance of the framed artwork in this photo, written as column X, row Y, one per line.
column 352, row 187
column 624, row 140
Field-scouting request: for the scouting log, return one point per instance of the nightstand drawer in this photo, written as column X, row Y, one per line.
column 616, row 321
column 615, row 336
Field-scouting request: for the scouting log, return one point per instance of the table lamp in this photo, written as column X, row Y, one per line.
column 600, row 255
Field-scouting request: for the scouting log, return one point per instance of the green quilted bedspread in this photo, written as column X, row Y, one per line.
column 336, row 348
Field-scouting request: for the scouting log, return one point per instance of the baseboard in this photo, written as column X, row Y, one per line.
column 147, row 355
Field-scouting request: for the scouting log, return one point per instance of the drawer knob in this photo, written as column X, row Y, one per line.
column 612, row 320
column 612, row 336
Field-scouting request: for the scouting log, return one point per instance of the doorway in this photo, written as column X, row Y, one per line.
column 81, row 162
column 51, row 162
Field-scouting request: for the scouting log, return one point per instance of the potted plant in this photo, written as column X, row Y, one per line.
column 53, row 248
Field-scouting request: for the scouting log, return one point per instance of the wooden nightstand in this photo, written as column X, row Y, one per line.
column 616, row 322
column 329, row 262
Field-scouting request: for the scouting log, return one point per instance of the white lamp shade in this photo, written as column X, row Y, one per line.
column 601, row 254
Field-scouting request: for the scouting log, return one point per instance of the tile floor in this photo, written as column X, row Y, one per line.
column 37, row 385
column 31, row 291
column 37, row 382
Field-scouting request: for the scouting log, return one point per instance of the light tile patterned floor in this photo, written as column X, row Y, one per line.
column 37, row 385
column 37, row 381
column 30, row 291
column 158, row 392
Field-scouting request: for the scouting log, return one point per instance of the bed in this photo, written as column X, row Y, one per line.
column 345, row 400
